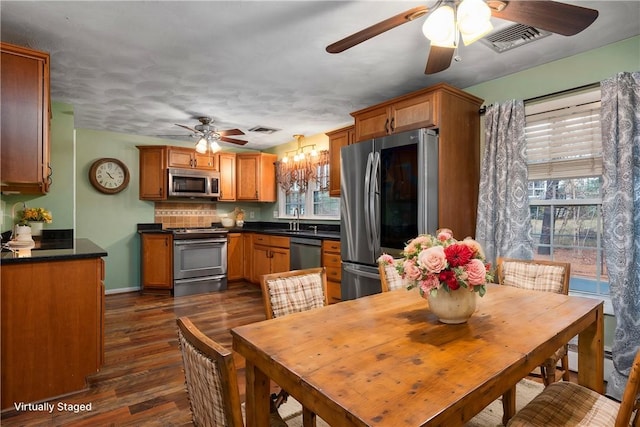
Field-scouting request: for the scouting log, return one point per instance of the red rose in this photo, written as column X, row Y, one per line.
column 458, row 255
column 449, row 277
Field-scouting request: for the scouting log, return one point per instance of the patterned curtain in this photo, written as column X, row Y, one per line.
column 298, row 174
column 503, row 224
column 621, row 217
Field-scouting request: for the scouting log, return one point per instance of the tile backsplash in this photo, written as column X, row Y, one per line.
column 175, row 214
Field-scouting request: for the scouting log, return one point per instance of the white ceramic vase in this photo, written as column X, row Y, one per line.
column 36, row 228
column 453, row 307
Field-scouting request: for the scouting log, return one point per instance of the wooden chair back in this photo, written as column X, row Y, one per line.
column 390, row 279
column 294, row 291
column 630, row 400
column 211, row 378
column 549, row 276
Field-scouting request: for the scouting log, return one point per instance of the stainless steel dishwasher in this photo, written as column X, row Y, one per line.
column 305, row 253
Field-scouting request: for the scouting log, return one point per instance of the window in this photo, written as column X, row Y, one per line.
column 564, row 152
column 314, row 203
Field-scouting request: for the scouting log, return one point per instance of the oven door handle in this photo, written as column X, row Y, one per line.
column 200, row 242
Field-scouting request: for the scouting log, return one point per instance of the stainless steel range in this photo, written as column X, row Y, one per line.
column 199, row 260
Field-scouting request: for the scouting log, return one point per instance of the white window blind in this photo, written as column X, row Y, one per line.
column 564, row 137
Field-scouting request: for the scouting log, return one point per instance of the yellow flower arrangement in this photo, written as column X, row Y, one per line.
column 35, row 214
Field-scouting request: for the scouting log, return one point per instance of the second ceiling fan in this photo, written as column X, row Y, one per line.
column 470, row 19
column 208, row 136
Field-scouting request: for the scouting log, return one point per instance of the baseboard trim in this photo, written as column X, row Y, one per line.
column 120, row 290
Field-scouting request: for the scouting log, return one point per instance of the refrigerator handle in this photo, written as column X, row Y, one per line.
column 360, row 272
column 374, row 200
column 366, row 201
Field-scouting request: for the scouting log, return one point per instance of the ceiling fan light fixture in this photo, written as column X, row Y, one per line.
column 214, row 146
column 201, row 146
column 474, row 20
column 440, row 27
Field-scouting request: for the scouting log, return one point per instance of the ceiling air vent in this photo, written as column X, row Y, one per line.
column 513, row 36
column 263, row 129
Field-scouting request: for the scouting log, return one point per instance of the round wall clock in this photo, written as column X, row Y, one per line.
column 109, row 175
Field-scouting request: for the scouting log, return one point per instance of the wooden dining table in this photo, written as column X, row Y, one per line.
column 386, row 360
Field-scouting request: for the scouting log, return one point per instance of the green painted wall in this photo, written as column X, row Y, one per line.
column 575, row 71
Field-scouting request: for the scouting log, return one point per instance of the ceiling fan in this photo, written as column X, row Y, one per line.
column 449, row 20
column 208, row 136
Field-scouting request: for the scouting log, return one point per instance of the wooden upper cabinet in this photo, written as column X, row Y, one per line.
column 153, row 172
column 188, row 158
column 337, row 139
column 256, row 177
column 25, row 114
column 408, row 112
column 227, row 165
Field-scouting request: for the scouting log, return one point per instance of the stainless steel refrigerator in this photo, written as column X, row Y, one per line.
column 389, row 194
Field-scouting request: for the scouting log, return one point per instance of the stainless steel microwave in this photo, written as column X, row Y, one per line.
column 193, row 183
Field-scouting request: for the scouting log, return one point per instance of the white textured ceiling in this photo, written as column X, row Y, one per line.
column 140, row 67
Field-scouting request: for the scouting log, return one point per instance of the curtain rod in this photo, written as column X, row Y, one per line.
column 483, row 109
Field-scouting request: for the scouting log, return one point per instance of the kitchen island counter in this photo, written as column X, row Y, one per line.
column 54, row 250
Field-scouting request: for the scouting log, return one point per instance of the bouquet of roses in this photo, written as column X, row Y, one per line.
column 442, row 262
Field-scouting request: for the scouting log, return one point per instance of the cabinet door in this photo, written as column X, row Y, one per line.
column 24, row 109
column 261, row 262
column 157, row 261
column 235, row 256
column 247, row 248
column 153, row 181
column 280, row 260
column 181, row 158
column 227, row 163
column 337, row 140
column 372, row 124
column 247, row 176
column 207, row 161
column 414, row 113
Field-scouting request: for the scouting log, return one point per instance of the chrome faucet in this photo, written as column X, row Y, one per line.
column 296, row 225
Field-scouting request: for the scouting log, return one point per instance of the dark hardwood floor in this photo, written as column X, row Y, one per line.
column 141, row 382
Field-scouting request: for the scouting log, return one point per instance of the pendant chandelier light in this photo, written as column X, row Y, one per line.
column 471, row 19
column 298, row 154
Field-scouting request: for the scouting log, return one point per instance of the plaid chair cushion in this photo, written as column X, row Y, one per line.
column 296, row 293
column 394, row 280
column 537, row 277
column 203, row 378
column 567, row 404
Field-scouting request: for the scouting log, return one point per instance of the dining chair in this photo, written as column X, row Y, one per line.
column 569, row 404
column 540, row 275
column 294, row 291
column 390, row 279
column 211, row 379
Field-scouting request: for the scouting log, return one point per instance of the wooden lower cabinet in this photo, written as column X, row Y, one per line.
column 235, row 257
column 52, row 327
column 156, row 262
column 247, row 249
column 270, row 255
column 333, row 265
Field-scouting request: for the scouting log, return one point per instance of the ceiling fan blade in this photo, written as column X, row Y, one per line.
column 233, row 140
column 439, row 59
column 230, row 132
column 376, row 29
column 559, row 18
column 188, row 128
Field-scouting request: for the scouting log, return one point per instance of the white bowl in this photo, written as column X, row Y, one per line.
column 228, row 222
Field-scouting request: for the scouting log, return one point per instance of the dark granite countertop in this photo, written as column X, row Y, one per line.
column 55, row 250
column 324, row 232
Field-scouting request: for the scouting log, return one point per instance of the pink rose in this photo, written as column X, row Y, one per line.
column 385, row 259
column 433, row 259
column 444, row 234
column 411, row 271
column 476, row 272
column 429, row 283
